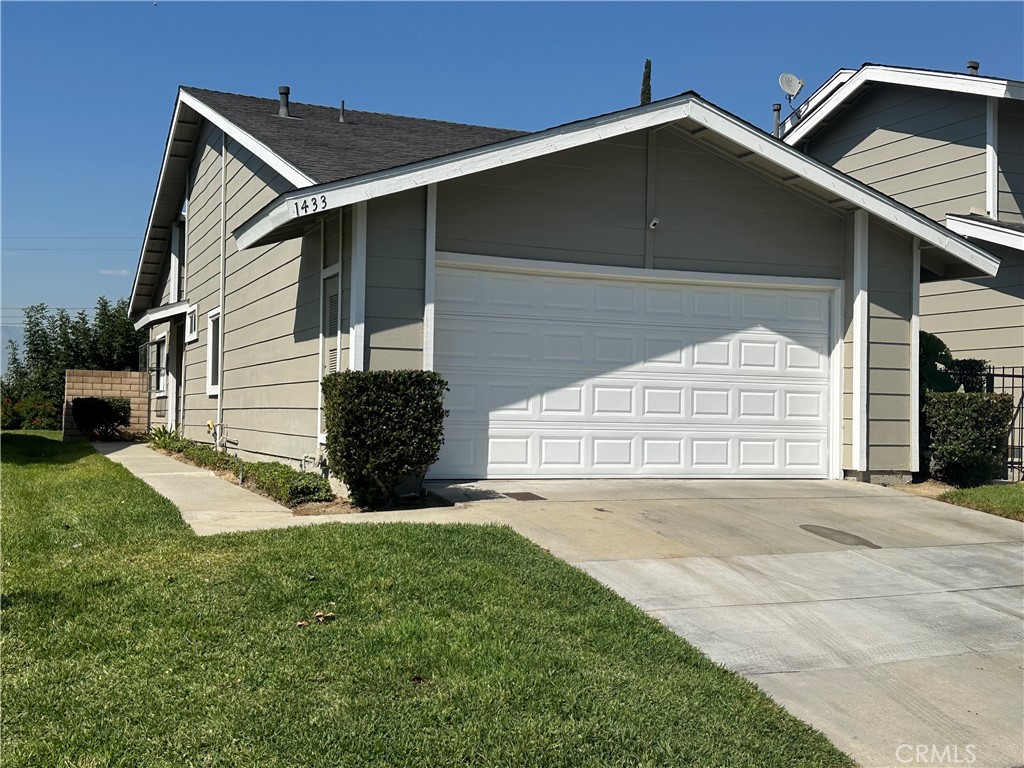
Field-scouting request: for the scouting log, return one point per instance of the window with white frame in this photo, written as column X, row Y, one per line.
column 213, row 352
column 156, row 365
column 192, row 324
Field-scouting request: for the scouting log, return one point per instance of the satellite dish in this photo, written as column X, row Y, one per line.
column 790, row 84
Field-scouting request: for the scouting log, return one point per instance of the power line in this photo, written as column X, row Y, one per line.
column 61, row 237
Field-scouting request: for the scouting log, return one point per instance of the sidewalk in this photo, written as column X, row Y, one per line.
column 207, row 503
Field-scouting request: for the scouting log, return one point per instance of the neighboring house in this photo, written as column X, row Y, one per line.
column 950, row 145
column 665, row 290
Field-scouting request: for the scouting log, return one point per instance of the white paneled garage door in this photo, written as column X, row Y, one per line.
column 572, row 376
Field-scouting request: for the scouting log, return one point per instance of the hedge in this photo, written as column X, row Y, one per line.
column 968, row 435
column 278, row 481
column 284, row 484
column 382, row 427
column 101, row 417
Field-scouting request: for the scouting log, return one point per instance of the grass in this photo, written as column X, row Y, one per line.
column 129, row 641
column 1002, row 500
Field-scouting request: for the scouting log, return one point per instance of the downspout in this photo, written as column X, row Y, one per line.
column 223, row 283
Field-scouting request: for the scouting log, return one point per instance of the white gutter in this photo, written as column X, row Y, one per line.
column 990, row 233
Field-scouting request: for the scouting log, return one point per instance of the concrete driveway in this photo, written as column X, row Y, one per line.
column 894, row 624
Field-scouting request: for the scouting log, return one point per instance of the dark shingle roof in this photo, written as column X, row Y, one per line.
column 328, row 150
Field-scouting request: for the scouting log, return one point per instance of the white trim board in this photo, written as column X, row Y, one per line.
column 837, row 91
column 357, row 292
column 159, row 314
column 834, row 287
column 257, row 147
column 915, row 368
column 687, row 107
column 990, row 233
column 429, row 278
column 533, row 266
column 859, row 413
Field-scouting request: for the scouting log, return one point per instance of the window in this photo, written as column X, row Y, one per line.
column 192, row 324
column 156, row 365
column 213, row 352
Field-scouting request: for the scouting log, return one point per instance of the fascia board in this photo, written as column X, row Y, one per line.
column 861, row 195
column 152, row 208
column 258, row 148
column 339, row 194
column 254, row 145
column 812, row 101
column 159, row 314
column 974, row 85
column 986, row 232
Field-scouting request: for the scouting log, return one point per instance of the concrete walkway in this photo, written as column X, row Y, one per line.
column 208, row 503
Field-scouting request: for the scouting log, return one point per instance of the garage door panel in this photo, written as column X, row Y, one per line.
column 571, row 299
column 624, row 399
column 560, row 452
column 600, row 349
column 576, row 377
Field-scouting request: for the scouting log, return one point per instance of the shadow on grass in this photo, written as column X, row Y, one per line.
column 27, row 448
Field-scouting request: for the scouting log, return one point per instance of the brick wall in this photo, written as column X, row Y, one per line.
column 131, row 384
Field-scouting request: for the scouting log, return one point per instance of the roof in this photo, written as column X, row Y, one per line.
column 318, row 144
column 689, row 113
column 303, row 150
column 846, row 86
column 977, row 226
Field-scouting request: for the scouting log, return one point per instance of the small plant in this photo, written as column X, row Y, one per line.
column 382, row 427
column 284, row 484
column 170, row 440
column 101, row 417
column 969, row 431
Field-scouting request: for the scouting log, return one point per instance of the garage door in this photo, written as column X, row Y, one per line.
column 567, row 376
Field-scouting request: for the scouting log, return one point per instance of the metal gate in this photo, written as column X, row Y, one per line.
column 1011, row 381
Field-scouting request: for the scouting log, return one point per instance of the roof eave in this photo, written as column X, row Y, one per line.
column 277, row 220
column 263, row 227
column 831, row 97
column 137, row 304
column 989, row 233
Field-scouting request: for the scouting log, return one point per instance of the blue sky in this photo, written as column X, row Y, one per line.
column 88, row 88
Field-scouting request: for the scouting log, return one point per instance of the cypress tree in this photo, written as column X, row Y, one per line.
column 645, row 87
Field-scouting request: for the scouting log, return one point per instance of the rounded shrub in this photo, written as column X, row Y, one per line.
column 968, row 435
column 382, row 428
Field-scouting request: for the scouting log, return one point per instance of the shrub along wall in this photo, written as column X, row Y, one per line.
column 382, row 427
column 968, row 431
column 132, row 385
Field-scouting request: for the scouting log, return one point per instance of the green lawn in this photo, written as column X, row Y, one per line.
column 1003, row 500
column 128, row 641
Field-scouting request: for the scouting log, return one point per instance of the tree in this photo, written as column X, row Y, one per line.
column 54, row 342
column 645, row 87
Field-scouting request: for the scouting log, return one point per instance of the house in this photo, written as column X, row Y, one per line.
column 950, row 145
column 664, row 290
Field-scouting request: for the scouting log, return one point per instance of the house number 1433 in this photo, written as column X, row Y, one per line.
column 310, row 205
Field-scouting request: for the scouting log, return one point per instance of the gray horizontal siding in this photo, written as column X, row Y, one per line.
column 1011, row 161
column 924, row 148
column 982, row 318
column 582, row 205
column 890, row 358
column 395, row 264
